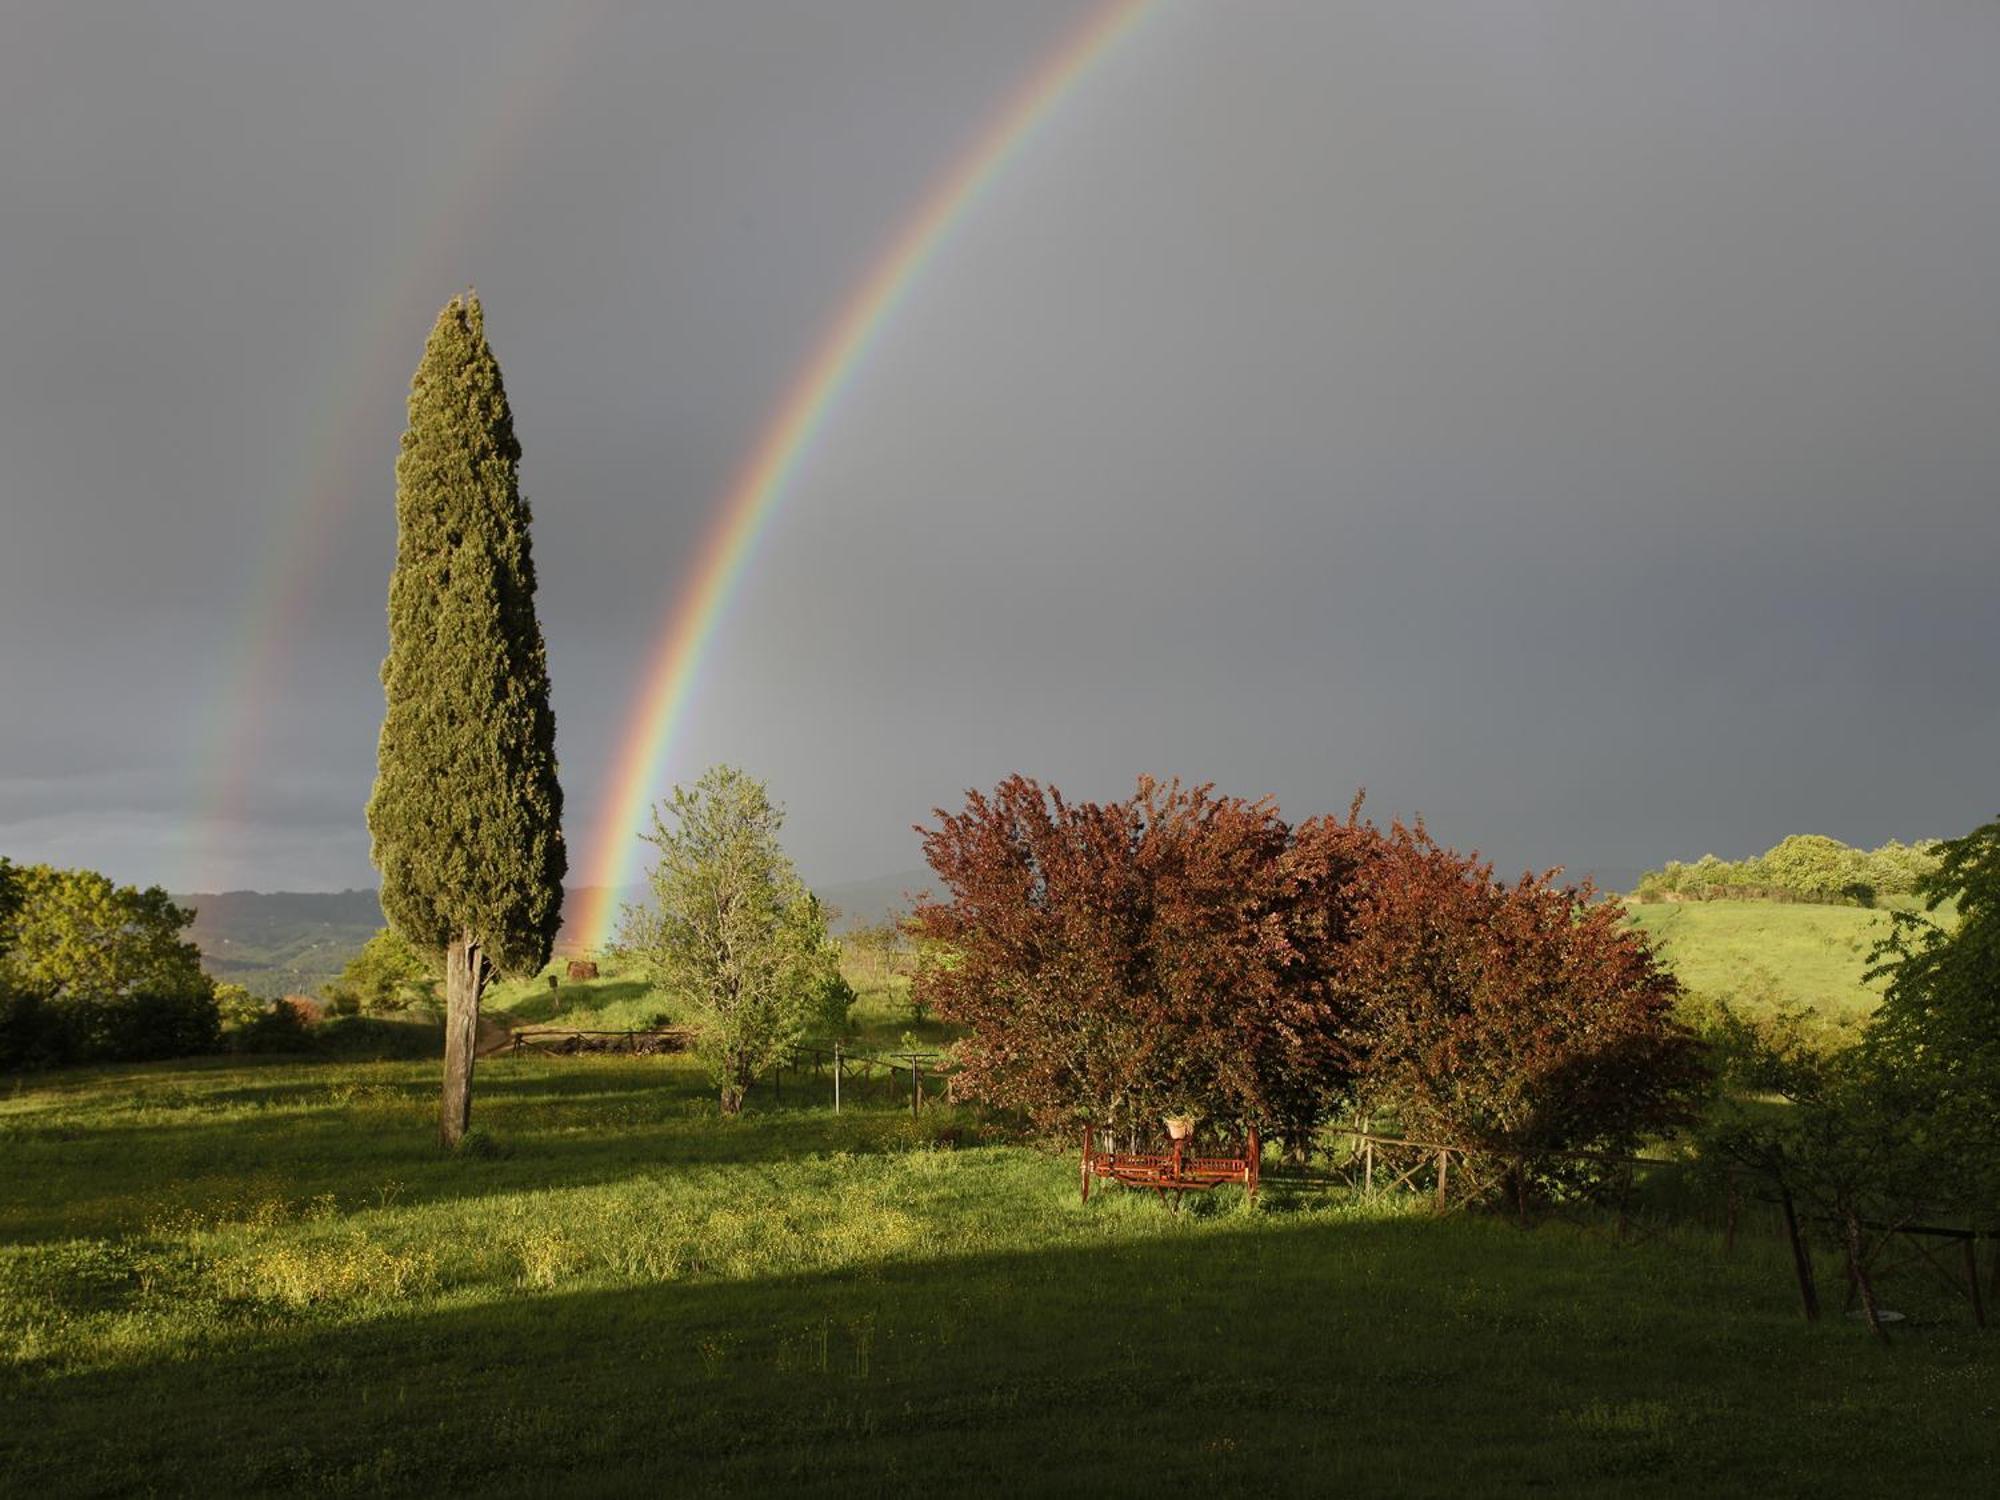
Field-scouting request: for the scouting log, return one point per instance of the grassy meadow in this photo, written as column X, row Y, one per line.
column 1764, row 954
column 259, row 1275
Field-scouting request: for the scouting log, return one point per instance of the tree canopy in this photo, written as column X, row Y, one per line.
column 75, row 934
column 1184, row 951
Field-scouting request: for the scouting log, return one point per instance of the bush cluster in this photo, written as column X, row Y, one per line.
column 1186, row 952
column 1805, row 867
column 39, row 1032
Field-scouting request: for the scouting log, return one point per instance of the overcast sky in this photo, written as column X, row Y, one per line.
column 1579, row 423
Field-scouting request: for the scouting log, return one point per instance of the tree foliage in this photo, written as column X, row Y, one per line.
column 732, row 933
column 77, row 935
column 1804, row 867
column 1121, row 961
column 1939, row 1024
column 388, row 974
column 1185, row 951
column 466, row 815
column 94, row 971
column 1522, row 1018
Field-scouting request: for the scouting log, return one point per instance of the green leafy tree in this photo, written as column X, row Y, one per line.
column 732, row 933
column 236, row 1007
column 76, row 935
column 10, row 901
column 466, row 816
column 1939, row 1023
column 387, row 974
column 1814, row 867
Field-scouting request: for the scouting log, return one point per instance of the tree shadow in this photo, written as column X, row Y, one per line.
column 1395, row 1357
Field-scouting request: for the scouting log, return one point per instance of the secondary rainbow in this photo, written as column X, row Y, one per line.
column 363, row 370
column 760, row 485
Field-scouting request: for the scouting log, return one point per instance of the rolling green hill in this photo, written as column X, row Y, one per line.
column 1766, row 953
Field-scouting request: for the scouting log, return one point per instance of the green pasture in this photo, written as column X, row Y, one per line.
column 1763, row 954
column 880, row 1020
column 261, row 1276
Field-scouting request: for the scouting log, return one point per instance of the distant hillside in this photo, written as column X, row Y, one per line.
column 281, row 942
column 865, row 901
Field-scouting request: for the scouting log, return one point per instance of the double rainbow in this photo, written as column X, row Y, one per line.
column 760, row 486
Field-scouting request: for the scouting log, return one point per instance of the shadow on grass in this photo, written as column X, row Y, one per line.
column 1395, row 1357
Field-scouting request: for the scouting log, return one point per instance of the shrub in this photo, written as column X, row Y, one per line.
column 36, row 1032
column 144, row 1027
column 281, row 1028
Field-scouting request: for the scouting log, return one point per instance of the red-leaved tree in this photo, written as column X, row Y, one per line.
column 1119, row 961
column 1523, row 1017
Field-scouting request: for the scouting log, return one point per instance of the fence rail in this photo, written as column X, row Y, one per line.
column 1869, row 1246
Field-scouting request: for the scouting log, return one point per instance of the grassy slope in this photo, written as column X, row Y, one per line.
column 880, row 1020
column 1769, row 952
column 259, row 1276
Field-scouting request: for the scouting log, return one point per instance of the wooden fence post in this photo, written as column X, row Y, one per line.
column 1971, row 1244
column 836, row 1077
column 1858, row 1275
column 1368, row 1165
column 1444, row 1164
column 1801, row 1260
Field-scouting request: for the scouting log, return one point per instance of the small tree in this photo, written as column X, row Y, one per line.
column 732, row 933
column 387, row 974
column 466, row 816
column 1938, row 1028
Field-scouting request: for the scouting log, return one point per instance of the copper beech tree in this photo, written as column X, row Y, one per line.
column 1119, row 961
column 1182, row 950
column 1524, row 1017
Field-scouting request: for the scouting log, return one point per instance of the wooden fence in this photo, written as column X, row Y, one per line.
column 1869, row 1247
column 926, row 1072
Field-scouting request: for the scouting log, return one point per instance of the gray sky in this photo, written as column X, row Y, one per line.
column 1576, row 422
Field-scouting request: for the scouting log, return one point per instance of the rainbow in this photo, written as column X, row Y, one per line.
column 782, row 448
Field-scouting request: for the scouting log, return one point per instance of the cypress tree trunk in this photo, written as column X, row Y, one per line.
column 464, row 979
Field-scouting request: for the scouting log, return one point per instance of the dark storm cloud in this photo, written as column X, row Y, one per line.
column 1571, row 421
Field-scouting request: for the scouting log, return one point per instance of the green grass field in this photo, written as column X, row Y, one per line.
column 1766, row 953
column 258, row 1276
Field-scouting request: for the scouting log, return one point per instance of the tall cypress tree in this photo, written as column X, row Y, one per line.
column 466, row 816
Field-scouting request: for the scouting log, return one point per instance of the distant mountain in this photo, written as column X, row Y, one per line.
column 861, row 902
column 281, row 942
